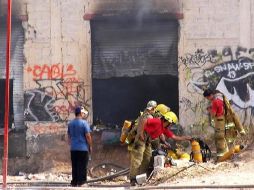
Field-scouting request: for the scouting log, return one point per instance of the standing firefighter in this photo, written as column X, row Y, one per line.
column 140, row 150
column 222, row 113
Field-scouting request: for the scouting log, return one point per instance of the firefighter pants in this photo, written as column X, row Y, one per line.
column 140, row 156
column 220, row 141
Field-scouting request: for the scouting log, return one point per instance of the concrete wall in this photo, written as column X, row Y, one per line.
column 57, row 73
column 57, row 68
column 216, row 50
column 56, row 78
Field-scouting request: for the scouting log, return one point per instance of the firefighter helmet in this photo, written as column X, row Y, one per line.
column 151, row 105
column 171, row 117
column 162, row 109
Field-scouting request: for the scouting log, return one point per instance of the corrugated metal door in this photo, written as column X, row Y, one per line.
column 17, row 60
column 133, row 62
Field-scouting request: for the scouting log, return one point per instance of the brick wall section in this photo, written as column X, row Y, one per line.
column 221, row 26
column 56, row 57
column 57, row 75
column 204, row 28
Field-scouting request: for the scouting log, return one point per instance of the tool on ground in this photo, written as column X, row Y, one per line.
column 200, row 151
column 141, row 179
column 196, row 155
column 230, row 153
column 159, row 162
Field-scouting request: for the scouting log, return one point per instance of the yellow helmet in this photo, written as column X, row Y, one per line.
column 162, row 109
column 185, row 156
column 171, row 117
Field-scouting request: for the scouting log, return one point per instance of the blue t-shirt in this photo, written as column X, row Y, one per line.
column 77, row 130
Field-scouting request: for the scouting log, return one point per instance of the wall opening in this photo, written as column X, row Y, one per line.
column 133, row 61
column 16, row 70
column 2, row 103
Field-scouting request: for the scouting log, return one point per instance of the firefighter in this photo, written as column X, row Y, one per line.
column 222, row 114
column 140, row 150
column 161, row 109
column 155, row 127
column 160, row 127
column 156, row 143
column 216, row 110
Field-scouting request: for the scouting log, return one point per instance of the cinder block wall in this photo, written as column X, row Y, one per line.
column 215, row 50
column 57, row 73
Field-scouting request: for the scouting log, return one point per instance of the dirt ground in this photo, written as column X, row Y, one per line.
column 237, row 171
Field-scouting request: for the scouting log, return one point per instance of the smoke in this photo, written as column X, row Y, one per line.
column 16, row 8
column 138, row 8
column 144, row 8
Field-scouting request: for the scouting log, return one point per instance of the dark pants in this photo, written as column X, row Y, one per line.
column 79, row 161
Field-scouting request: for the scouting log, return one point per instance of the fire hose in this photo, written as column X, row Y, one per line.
column 117, row 174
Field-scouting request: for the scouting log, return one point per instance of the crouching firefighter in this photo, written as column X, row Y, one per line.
column 222, row 114
column 156, row 127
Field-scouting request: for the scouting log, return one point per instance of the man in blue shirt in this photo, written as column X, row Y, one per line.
column 80, row 141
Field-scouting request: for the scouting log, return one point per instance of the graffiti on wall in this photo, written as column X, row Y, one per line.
column 186, row 104
column 51, row 72
column 235, row 79
column 230, row 71
column 58, row 92
column 196, row 60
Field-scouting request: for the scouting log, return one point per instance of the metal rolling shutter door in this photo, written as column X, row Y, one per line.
column 134, row 49
column 16, row 70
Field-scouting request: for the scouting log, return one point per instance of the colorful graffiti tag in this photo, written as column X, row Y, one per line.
column 51, row 72
column 58, row 92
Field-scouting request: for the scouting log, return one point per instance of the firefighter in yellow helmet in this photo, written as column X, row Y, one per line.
column 155, row 127
column 160, row 110
column 172, row 120
column 171, row 116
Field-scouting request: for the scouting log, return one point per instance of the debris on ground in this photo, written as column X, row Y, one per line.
column 238, row 170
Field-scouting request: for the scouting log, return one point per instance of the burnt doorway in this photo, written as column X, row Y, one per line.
column 132, row 63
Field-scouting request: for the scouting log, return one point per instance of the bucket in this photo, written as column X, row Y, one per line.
column 159, row 161
column 141, row 179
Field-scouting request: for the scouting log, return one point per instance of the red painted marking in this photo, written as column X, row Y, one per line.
column 51, row 72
